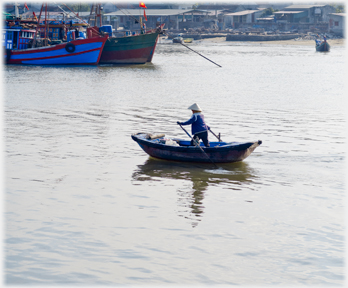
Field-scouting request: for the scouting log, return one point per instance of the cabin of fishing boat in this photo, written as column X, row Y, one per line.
column 17, row 37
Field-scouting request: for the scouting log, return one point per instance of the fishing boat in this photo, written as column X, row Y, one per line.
column 159, row 146
column 137, row 47
column 23, row 46
column 77, row 52
column 323, row 47
column 132, row 49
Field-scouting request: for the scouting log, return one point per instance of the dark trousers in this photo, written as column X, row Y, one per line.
column 203, row 136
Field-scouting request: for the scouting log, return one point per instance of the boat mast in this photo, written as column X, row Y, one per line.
column 16, row 10
column 99, row 14
column 46, row 26
column 37, row 26
column 96, row 8
column 90, row 14
column 95, row 15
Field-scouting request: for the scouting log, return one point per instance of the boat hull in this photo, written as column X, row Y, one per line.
column 84, row 52
column 225, row 153
column 178, row 40
column 136, row 49
column 323, row 47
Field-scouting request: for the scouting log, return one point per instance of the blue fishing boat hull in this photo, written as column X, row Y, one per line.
column 77, row 52
column 219, row 152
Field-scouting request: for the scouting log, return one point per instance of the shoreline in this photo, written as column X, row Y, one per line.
column 332, row 42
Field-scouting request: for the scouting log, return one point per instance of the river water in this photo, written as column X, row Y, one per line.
column 83, row 204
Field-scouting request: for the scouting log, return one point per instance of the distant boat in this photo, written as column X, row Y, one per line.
column 188, row 40
column 178, row 39
column 180, row 150
column 322, row 46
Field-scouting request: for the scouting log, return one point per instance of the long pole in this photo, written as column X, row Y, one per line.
column 194, row 51
column 197, row 144
column 100, row 15
column 46, row 25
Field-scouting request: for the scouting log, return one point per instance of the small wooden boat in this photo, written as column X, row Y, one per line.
column 323, row 46
column 180, row 150
column 178, row 39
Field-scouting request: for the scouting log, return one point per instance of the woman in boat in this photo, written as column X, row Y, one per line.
column 199, row 128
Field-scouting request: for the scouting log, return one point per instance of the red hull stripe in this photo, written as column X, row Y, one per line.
column 58, row 46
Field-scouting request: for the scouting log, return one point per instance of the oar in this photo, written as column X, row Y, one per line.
column 199, row 146
column 218, row 137
column 194, row 51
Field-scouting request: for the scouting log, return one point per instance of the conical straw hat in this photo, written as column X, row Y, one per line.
column 195, row 107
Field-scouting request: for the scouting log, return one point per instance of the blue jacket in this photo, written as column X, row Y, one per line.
column 198, row 124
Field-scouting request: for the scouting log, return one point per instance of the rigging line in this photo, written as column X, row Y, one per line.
column 75, row 14
column 129, row 14
column 67, row 13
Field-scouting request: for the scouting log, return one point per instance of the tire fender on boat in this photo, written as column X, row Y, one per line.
column 70, row 47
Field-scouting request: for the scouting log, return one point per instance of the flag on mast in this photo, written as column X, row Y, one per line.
column 142, row 5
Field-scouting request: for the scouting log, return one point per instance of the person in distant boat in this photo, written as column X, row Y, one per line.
column 199, row 128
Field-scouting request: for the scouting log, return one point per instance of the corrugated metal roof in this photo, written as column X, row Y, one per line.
column 288, row 12
column 154, row 12
column 266, row 18
column 30, row 13
column 241, row 13
column 338, row 14
column 303, row 6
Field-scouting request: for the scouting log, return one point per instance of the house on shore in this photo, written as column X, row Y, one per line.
column 172, row 18
column 337, row 23
column 234, row 20
column 304, row 14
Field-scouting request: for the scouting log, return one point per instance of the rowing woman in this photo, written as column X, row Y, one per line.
column 199, row 128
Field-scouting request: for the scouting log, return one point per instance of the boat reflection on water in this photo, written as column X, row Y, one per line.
column 234, row 176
